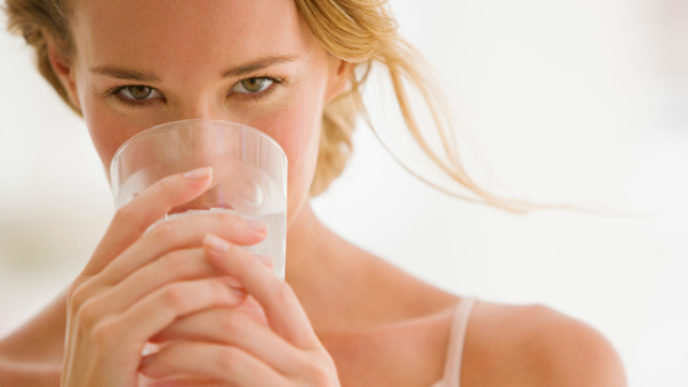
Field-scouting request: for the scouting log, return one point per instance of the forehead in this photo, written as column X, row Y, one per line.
column 155, row 32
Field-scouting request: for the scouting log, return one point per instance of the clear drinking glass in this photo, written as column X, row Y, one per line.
column 249, row 173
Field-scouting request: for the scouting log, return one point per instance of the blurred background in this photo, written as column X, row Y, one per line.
column 583, row 102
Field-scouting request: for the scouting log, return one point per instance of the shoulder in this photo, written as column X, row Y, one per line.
column 534, row 345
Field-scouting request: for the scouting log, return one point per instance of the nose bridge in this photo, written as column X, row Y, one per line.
column 197, row 105
column 200, row 100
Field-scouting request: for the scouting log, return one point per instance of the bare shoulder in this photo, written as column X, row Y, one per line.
column 534, row 345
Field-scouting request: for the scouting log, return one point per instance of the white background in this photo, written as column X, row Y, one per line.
column 583, row 102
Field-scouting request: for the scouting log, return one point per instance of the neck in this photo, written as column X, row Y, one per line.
column 312, row 252
column 301, row 242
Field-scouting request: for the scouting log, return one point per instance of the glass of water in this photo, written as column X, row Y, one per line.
column 249, row 173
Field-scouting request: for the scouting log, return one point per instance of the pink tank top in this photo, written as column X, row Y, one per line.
column 452, row 366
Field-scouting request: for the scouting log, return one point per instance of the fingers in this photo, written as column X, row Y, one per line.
column 180, row 381
column 112, row 343
column 132, row 219
column 282, row 308
column 223, row 363
column 178, row 265
column 181, row 233
column 230, row 326
column 252, row 309
column 159, row 309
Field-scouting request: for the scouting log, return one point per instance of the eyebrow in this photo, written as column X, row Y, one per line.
column 257, row 65
column 122, row 73
column 146, row 76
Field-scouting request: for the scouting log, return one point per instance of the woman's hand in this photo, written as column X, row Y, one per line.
column 223, row 346
column 136, row 285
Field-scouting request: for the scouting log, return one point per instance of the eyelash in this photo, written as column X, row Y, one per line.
column 253, row 96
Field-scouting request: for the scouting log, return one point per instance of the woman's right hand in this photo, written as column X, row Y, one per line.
column 136, row 285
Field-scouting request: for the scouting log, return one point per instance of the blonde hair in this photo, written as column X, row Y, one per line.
column 358, row 31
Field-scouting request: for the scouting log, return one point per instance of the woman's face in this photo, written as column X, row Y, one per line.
column 141, row 63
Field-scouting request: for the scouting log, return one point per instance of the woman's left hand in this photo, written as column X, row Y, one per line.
column 227, row 346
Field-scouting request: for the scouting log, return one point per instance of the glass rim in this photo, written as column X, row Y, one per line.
column 154, row 129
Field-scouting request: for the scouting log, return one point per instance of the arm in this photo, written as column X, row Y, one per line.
column 41, row 339
column 32, row 354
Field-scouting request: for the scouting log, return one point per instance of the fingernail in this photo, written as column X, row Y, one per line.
column 257, row 226
column 215, row 244
column 199, row 173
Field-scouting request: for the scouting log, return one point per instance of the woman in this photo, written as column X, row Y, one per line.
column 343, row 316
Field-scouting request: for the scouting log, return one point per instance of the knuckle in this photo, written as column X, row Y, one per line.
column 78, row 294
column 78, row 281
column 129, row 216
column 125, row 213
column 175, row 297
column 77, row 299
column 174, row 264
column 87, row 314
column 282, row 292
column 318, row 375
column 164, row 231
column 102, row 335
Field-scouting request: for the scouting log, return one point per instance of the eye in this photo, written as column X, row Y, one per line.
column 253, row 85
column 137, row 93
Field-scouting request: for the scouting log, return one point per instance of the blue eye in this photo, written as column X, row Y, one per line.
column 253, row 85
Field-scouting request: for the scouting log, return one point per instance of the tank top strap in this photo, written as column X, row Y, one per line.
column 457, row 336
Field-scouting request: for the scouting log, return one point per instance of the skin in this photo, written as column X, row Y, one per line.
column 319, row 327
